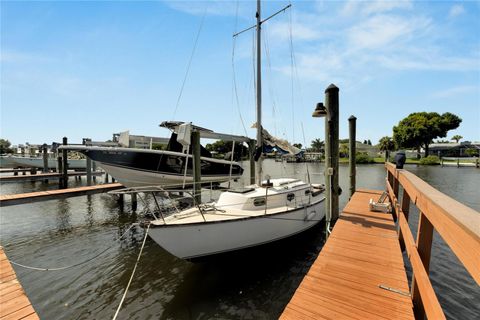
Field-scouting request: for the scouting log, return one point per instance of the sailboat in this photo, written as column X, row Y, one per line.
column 270, row 210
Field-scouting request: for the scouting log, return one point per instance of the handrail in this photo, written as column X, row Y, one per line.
column 456, row 223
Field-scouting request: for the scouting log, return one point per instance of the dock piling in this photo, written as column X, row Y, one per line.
column 64, row 181
column 89, row 171
column 45, row 158
column 331, row 152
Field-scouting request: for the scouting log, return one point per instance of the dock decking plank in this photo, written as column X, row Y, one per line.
column 361, row 254
column 12, row 199
column 14, row 304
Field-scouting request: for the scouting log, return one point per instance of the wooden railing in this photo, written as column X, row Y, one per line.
column 457, row 224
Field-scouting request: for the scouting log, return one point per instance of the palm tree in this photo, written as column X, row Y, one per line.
column 386, row 144
column 457, row 138
column 317, row 145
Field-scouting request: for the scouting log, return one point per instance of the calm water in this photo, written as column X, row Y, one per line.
column 253, row 284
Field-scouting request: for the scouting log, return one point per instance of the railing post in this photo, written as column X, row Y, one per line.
column 406, row 210
column 352, row 124
column 424, row 248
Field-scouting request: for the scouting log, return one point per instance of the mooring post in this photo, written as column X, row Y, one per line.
column 89, row 171
column 134, row 201
column 45, row 158
column 352, row 126
column 60, row 170
column 331, row 135
column 251, row 153
column 94, row 169
column 64, row 164
column 196, row 167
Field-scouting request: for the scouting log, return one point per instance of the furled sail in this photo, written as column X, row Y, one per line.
column 271, row 143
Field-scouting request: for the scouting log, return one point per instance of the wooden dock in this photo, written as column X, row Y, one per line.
column 13, row 199
column 359, row 273
column 14, row 303
column 44, row 176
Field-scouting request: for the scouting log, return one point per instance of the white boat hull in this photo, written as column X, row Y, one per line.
column 138, row 178
column 195, row 240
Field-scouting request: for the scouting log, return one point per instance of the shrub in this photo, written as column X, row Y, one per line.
column 363, row 158
column 430, row 160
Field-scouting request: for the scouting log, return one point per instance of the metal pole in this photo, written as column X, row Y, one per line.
column 251, row 148
column 64, row 165
column 196, row 166
column 332, row 106
column 352, row 126
column 259, row 93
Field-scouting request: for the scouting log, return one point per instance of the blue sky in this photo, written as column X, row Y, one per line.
column 89, row 69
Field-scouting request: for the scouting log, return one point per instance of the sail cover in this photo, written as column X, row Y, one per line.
column 271, row 143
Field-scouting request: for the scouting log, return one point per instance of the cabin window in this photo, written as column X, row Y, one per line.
column 307, row 192
column 290, row 196
column 257, row 202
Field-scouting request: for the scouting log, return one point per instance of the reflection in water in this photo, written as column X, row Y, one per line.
column 250, row 284
column 89, row 220
column 63, row 216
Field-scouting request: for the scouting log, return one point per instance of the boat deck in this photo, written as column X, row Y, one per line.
column 14, row 303
column 359, row 274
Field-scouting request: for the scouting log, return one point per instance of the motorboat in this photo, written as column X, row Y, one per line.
column 13, row 161
column 172, row 167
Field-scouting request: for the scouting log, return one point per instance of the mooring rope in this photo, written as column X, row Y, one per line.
column 133, row 273
column 76, row 264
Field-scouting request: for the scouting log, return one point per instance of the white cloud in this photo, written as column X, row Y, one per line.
column 454, row 91
column 354, row 7
column 382, row 30
column 456, row 10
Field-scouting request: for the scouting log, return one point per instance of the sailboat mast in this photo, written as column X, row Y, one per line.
column 259, row 95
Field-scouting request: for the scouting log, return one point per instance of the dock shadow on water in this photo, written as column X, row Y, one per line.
column 254, row 283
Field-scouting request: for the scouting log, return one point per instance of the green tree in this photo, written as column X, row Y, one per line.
column 420, row 128
column 386, row 144
column 223, row 147
column 457, row 138
column 472, row 152
column 318, row 145
column 298, row 145
column 157, row 146
column 5, row 146
column 369, row 142
column 343, row 150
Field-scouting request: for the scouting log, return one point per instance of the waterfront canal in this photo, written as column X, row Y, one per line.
column 253, row 284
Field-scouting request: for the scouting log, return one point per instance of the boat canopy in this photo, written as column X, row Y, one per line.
column 204, row 133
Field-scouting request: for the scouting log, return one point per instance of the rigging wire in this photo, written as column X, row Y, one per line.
column 292, row 76
column 235, row 90
column 270, row 79
column 190, row 61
